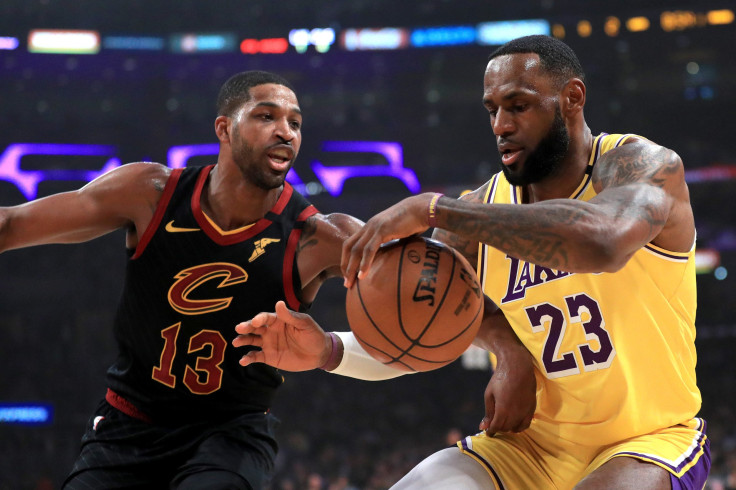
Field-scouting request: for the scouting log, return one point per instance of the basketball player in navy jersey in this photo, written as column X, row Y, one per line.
column 207, row 247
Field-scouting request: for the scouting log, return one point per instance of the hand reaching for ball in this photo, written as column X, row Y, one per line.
column 287, row 340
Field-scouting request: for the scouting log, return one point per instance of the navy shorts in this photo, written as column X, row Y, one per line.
column 119, row 451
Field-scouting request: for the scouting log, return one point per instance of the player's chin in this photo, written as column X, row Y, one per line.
column 273, row 181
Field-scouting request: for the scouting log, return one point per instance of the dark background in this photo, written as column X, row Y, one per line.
column 56, row 302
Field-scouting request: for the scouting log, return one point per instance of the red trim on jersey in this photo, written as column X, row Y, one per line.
column 159, row 213
column 283, row 198
column 288, row 269
column 252, row 231
column 125, row 406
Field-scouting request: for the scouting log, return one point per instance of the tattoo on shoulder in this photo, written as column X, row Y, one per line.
column 636, row 163
column 476, row 195
column 309, row 234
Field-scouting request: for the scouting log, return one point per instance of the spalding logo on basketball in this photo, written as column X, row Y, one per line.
column 420, row 306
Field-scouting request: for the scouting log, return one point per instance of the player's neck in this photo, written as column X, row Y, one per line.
column 232, row 203
column 570, row 175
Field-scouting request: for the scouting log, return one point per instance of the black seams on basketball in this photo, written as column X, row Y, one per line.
column 418, row 308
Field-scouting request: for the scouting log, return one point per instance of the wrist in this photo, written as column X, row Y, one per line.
column 334, row 355
column 432, row 210
column 513, row 353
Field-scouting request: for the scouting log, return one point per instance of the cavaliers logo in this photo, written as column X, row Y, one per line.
column 180, row 293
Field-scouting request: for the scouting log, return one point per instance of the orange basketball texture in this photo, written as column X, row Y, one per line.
column 420, row 306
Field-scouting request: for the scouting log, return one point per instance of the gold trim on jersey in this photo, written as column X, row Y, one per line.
column 223, row 232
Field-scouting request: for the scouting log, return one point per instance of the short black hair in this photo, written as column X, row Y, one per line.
column 557, row 58
column 236, row 90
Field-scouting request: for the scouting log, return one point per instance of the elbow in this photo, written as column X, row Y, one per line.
column 606, row 253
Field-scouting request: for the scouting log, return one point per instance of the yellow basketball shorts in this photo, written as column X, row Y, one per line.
column 535, row 459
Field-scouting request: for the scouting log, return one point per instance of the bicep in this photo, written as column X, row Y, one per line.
column 68, row 217
column 111, row 201
column 639, row 185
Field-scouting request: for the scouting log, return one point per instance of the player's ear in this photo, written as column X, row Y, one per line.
column 222, row 128
column 573, row 96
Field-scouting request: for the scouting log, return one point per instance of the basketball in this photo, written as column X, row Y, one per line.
column 418, row 308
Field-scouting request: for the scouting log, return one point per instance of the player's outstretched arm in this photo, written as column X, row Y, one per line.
column 642, row 197
column 295, row 342
column 406, row 218
column 123, row 197
column 286, row 340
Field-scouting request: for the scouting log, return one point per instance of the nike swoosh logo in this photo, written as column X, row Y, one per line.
column 175, row 229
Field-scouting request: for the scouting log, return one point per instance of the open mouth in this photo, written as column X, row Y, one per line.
column 510, row 156
column 280, row 157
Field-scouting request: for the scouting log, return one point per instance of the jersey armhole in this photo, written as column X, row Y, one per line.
column 159, row 213
column 291, row 279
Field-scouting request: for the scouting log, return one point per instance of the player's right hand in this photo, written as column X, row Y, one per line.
column 285, row 340
column 403, row 219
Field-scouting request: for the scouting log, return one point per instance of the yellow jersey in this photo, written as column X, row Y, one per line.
column 614, row 352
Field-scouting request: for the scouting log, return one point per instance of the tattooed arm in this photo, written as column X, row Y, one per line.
column 319, row 248
column 642, row 197
column 510, row 397
column 467, row 247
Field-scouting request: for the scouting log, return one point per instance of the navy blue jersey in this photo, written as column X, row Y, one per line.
column 187, row 285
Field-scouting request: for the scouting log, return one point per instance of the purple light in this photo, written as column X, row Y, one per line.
column 714, row 173
column 178, row 155
column 8, row 43
column 333, row 178
column 27, row 180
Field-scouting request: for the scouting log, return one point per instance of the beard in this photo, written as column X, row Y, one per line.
column 545, row 160
column 261, row 176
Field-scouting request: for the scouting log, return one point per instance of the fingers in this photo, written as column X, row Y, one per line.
column 500, row 422
column 358, row 253
column 251, row 332
column 524, row 424
column 487, row 421
column 284, row 314
column 252, row 357
column 259, row 321
column 253, row 340
column 347, row 261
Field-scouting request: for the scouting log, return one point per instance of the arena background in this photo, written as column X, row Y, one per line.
column 663, row 69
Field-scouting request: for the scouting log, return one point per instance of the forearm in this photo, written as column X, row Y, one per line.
column 497, row 336
column 562, row 234
column 353, row 361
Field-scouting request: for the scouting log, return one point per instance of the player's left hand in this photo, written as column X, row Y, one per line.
column 511, row 395
column 288, row 340
column 403, row 219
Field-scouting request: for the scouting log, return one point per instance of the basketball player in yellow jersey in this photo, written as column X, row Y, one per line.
column 587, row 246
